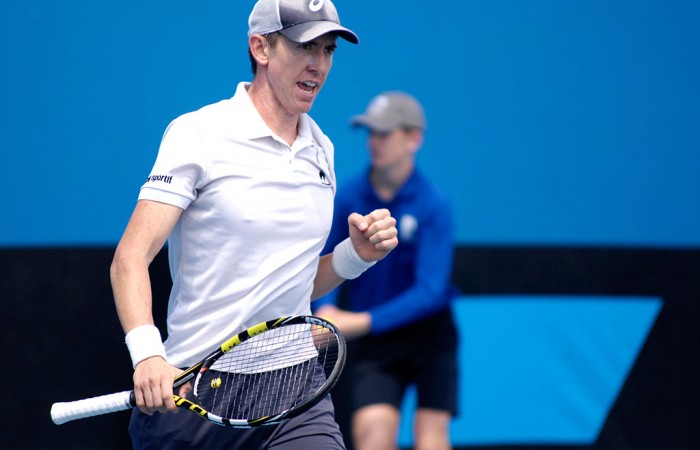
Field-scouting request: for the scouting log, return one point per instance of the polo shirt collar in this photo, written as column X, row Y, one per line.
column 304, row 136
column 251, row 125
column 248, row 123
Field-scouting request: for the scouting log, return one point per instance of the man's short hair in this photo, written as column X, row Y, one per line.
column 272, row 40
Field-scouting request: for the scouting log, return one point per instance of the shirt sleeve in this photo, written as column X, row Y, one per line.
column 179, row 169
column 431, row 291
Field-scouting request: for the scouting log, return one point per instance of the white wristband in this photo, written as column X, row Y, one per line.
column 347, row 263
column 144, row 342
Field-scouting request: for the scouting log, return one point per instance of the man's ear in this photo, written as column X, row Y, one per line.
column 416, row 135
column 259, row 48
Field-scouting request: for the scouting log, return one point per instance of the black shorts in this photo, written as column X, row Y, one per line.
column 383, row 366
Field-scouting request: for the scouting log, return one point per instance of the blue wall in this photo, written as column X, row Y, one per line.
column 550, row 121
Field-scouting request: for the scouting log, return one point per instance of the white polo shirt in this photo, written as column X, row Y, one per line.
column 257, row 213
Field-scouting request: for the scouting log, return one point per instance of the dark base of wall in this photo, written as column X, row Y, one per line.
column 62, row 341
column 659, row 406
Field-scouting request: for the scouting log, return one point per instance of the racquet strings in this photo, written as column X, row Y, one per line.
column 268, row 373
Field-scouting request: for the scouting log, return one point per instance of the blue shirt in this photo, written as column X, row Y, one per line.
column 413, row 281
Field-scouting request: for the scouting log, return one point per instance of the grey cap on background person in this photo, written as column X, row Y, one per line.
column 298, row 20
column 391, row 110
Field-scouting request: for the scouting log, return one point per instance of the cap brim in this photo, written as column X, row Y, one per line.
column 371, row 124
column 308, row 31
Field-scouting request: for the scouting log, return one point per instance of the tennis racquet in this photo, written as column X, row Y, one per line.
column 266, row 374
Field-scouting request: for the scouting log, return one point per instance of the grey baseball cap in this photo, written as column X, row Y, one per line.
column 298, row 20
column 391, row 110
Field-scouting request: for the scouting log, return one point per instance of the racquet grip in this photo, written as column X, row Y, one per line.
column 63, row 412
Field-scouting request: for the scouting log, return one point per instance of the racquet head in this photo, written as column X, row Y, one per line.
column 268, row 373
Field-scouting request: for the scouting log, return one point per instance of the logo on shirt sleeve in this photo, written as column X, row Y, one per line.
column 163, row 178
column 324, row 179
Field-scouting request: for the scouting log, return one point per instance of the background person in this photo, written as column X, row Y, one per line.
column 392, row 307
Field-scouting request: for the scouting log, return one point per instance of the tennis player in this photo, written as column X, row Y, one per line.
column 396, row 305
column 243, row 192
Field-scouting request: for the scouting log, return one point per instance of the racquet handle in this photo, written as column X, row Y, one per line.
column 63, row 412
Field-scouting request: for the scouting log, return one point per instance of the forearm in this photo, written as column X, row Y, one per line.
column 371, row 238
column 131, row 287
column 413, row 304
column 351, row 324
column 132, row 297
column 326, row 279
column 343, row 264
